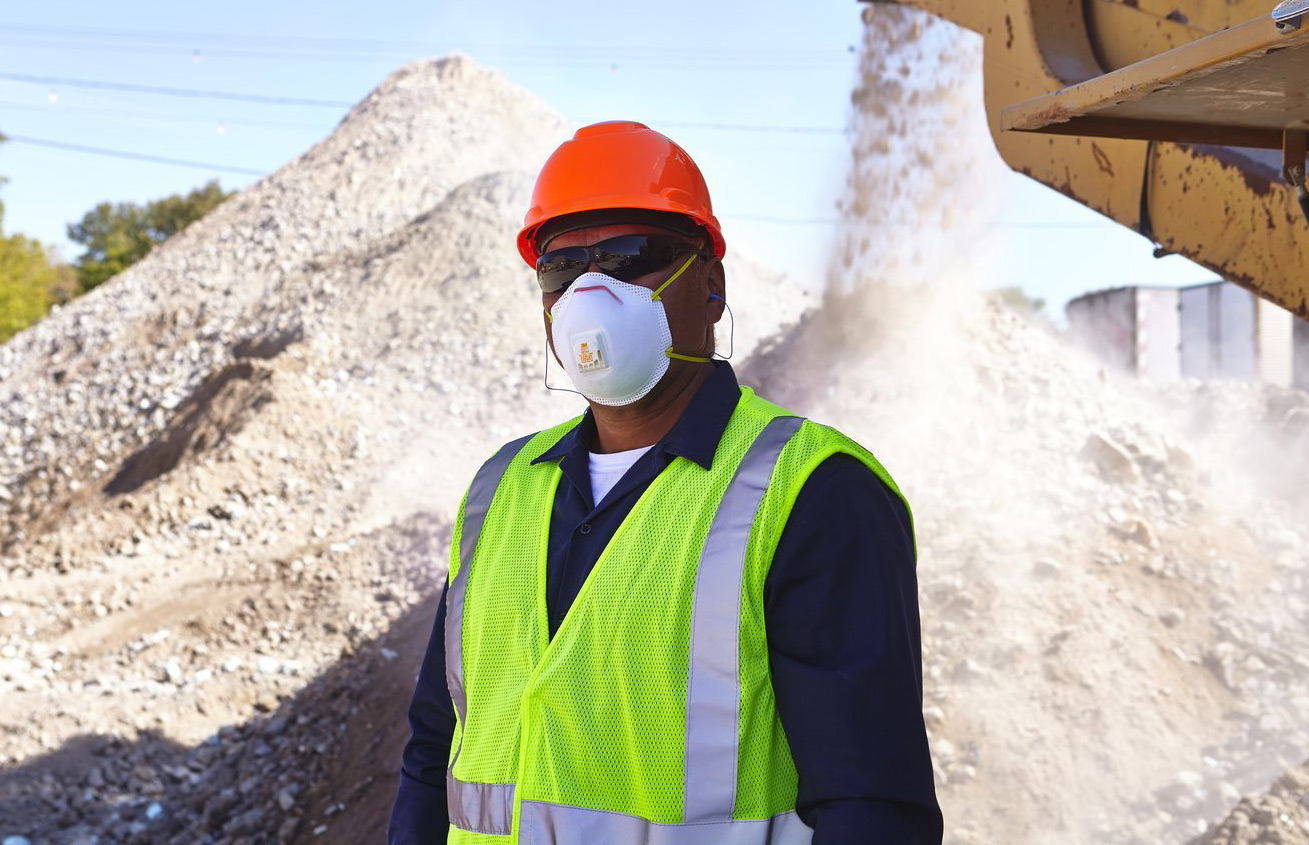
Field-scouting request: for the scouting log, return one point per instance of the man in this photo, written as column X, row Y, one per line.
column 687, row 616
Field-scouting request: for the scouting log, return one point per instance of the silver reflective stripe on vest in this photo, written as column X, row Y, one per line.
column 557, row 824
column 480, row 807
column 465, row 798
column 713, row 694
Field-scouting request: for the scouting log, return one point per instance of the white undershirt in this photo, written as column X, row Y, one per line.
column 607, row 470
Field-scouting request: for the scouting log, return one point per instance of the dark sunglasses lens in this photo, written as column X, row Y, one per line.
column 632, row 256
column 558, row 268
column 626, row 258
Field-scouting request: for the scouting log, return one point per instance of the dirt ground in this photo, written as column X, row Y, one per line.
column 227, row 479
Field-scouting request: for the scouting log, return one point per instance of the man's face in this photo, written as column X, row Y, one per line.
column 691, row 313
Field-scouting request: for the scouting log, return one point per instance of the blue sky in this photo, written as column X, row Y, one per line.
column 685, row 68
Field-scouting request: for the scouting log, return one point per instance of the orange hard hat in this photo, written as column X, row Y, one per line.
column 615, row 165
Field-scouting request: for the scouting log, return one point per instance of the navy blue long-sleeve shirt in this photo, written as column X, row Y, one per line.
column 841, row 611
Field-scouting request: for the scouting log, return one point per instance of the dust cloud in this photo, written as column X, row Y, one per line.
column 1113, row 636
column 217, row 637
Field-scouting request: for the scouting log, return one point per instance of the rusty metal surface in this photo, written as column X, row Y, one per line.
column 1205, row 15
column 1295, row 146
column 1242, row 87
column 1126, row 31
column 1223, row 207
column 1232, row 216
column 1124, row 34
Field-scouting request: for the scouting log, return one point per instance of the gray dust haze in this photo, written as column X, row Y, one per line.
column 228, row 477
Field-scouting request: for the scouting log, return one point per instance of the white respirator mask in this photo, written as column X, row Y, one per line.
column 613, row 337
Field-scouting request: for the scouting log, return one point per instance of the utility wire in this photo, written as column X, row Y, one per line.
column 493, row 57
column 745, row 218
column 754, row 218
column 174, row 92
column 153, row 159
column 75, row 83
column 743, row 127
column 181, row 51
column 789, row 221
column 781, row 57
column 155, row 115
column 832, row 221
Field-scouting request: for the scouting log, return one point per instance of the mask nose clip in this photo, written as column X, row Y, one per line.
column 604, row 288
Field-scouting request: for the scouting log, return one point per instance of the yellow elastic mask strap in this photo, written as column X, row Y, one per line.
column 655, row 298
column 672, row 278
column 679, row 356
column 549, row 318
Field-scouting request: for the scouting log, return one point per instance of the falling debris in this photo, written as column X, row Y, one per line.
column 230, row 475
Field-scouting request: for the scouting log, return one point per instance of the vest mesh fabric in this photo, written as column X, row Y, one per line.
column 609, row 705
column 509, row 630
column 600, row 711
column 761, row 788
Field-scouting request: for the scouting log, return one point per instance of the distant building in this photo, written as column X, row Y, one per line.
column 1300, row 354
column 1135, row 329
column 1210, row 331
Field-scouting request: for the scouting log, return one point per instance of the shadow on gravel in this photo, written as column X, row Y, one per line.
column 219, row 407
column 324, row 760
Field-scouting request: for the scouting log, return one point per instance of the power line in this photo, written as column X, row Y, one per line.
column 164, row 116
column 780, row 56
column 174, row 92
column 1043, row 224
column 152, row 159
column 490, row 55
column 210, row 37
column 752, row 218
column 832, row 221
column 181, row 51
column 787, row 221
column 742, row 127
column 726, row 127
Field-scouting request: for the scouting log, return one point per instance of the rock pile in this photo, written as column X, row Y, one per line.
column 1111, row 573
column 1281, row 816
column 227, row 475
column 227, row 479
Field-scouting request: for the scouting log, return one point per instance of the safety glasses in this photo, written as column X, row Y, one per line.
column 626, row 258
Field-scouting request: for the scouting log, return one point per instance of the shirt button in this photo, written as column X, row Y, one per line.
column 585, row 529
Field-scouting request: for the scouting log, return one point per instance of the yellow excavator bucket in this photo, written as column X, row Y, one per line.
column 1164, row 115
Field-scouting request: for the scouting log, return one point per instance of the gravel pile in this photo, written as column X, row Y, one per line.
column 1281, row 816
column 105, row 375
column 227, row 477
column 1112, row 574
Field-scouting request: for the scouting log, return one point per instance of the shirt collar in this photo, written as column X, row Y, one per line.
column 695, row 436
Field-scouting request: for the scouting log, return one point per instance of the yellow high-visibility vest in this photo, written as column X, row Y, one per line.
column 649, row 717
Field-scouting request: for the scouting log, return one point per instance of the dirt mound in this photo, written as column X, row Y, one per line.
column 1114, row 629
column 102, row 376
column 1281, row 816
column 227, row 477
column 220, row 406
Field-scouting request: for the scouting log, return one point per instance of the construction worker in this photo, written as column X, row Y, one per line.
column 687, row 616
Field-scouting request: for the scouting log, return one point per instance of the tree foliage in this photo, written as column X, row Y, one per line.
column 30, row 280
column 1019, row 300
column 117, row 235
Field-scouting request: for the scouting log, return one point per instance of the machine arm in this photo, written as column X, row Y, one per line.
column 1187, row 186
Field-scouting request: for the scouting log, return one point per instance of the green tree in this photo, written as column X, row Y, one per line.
column 30, row 280
column 117, row 235
column 1028, row 307
column 1018, row 299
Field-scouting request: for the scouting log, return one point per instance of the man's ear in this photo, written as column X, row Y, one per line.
column 549, row 335
column 717, row 281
